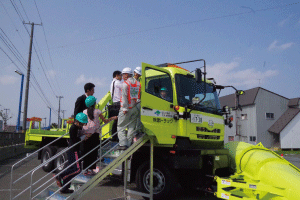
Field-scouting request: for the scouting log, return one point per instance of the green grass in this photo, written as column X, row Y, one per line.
column 279, row 152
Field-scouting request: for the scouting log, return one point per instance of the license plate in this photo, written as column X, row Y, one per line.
column 196, row 118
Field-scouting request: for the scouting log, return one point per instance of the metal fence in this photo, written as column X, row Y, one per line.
column 10, row 138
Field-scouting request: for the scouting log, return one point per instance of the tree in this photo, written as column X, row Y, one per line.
column 5, row 116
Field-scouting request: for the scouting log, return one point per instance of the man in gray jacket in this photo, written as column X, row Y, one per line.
column 129, row 112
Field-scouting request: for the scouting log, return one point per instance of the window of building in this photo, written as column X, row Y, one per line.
column 252, row 138
column 243, row 116
column 269, row 115
column 230, row 138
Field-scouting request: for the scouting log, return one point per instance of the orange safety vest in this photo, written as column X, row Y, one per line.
column 133, row 93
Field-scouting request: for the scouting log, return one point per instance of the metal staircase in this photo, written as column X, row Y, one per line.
column 82, row 184
column 108, row 169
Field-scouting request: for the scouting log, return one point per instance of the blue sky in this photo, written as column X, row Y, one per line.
column 245, row 44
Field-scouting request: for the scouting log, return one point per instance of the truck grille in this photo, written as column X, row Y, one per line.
column 203, row 129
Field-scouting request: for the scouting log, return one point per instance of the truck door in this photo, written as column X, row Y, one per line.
column 156, row 99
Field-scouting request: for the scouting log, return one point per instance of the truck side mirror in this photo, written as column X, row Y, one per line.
column 198, row 75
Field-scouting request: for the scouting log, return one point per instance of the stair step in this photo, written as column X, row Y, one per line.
column 75, row 185
column 49, row 191
column 82, row 178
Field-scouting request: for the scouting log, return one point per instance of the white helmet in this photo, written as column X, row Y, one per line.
column 138, row 70
column 126, row 70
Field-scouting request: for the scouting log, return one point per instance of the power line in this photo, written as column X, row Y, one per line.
column 22, row 20
column 34, row 87
column 12, row 22
column 19, row 58
column 174, row 25
column 17, row 10
column 24, row 10
column 47, row 45
column 44, row 98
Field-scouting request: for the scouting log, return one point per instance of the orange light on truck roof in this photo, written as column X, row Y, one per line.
column 175, row 66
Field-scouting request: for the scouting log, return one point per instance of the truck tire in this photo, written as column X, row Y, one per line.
column 60, row 160
column 163, row 180
column 47, row 153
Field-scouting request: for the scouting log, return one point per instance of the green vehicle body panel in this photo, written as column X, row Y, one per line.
column 33, row 137
column 259, row 173
column 167, row 127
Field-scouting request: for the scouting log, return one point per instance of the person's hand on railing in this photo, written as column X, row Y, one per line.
column 114, row 118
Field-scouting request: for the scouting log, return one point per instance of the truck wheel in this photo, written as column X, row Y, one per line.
column 47, row 153
column 58, row 162
column 163, row 181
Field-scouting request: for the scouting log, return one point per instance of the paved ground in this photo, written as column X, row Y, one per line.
column 110, row 187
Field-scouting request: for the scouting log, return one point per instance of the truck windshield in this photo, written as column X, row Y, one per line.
column 189, row 93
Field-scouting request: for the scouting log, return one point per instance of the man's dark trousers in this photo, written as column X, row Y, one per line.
column 114, row 111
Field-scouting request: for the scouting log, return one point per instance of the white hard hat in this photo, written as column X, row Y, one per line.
column 138, row 70
column 126, row 70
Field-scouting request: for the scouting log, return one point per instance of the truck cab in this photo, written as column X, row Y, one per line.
column 181, row 110
column 181, row 114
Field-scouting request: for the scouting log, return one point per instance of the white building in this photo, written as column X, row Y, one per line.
column 287, row 127
column 261, row 108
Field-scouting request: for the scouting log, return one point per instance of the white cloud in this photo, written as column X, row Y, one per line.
column 229, row 74
column 51, row 73
column 274, row 46
column 97, row 81
column 8, row 80
column 281, row 23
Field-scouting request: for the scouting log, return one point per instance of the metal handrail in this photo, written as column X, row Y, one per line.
column 49, row 172
column 57, row 155
column 59, row 174
column 111, row 149
column 81, row 159
column 54, row 157
column 11, row 177
column 90, row 152
column 42, row 164
column 30, row 186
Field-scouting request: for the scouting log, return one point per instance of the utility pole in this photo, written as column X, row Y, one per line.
column 59, row 97
column 28, row 77
column 50, row 118
column 63, row 111
column 45, row 121
column 6, row 118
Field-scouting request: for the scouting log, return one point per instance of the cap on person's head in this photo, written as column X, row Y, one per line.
column 82, row 118
column 138, row 70
column 163, row 89
column 127, row 70
column 90, row 100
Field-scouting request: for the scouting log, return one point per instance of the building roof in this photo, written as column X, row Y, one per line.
column 294, row 102
column 247, row 99
column 284, row 120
